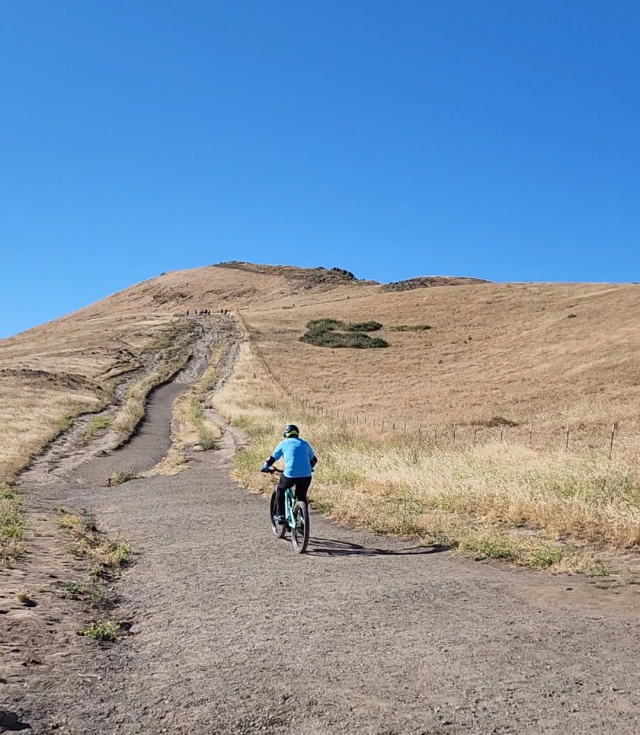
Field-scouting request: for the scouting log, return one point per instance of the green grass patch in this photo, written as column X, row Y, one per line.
column 11, row 525
column 102, row 630
column 92, row 589
column 63, row 424
column 325, row 333
column 98, row 425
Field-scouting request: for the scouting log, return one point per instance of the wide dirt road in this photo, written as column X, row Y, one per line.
column 233, row 633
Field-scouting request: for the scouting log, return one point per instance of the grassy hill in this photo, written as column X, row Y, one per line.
column 492, row 402
column 541, row 354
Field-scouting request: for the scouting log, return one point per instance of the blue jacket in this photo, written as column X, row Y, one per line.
column 298, row 457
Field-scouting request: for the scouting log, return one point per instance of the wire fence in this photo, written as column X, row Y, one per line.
column 610, row 439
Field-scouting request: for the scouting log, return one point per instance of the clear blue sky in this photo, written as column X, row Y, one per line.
column 394, row 138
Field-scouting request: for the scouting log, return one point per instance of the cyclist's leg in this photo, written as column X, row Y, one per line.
column 302, row 485
column 283, row 484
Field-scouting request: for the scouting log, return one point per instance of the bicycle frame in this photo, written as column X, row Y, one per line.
column 289, row 501
column 296, row 518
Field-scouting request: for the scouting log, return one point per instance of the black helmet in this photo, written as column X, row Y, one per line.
column 290, row 430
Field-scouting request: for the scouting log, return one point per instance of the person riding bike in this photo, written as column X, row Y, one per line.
column 299, row 461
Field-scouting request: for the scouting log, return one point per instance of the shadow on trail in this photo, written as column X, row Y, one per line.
column 333, row 547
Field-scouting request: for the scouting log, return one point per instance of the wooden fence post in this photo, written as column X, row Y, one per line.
column 530, row 433
column 454, row 435
column 614, row 426
column 475, row 435
column 501, row 433
column 566, row 444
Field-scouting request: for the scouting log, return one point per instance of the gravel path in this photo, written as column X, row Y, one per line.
column 233, row 633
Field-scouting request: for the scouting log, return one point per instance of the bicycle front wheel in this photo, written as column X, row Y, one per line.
column 300, row 530
column 279, row 529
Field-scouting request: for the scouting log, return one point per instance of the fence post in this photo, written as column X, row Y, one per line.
column 530, row 433
column 475, row 435
column 454, row 435
column 566, row 444
column 614, row 426
column 501, row 432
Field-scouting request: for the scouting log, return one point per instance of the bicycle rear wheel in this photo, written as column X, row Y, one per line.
column 300, row 530
column 279, row 529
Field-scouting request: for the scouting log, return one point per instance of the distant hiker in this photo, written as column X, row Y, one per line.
column 299, row 461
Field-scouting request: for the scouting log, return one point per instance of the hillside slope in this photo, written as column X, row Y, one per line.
column 542, row 353
column 550, row 354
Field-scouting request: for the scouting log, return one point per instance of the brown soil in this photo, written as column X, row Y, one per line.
column 233, row 633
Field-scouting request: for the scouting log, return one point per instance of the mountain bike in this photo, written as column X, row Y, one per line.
column 296, row 514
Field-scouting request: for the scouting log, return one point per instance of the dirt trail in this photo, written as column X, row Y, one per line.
column 233, row 633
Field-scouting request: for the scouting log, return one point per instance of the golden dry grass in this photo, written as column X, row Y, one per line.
column 511, row 351
column 62, row 369
column 533, row 508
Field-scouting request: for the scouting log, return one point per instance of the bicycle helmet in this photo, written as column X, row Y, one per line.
column 290, row 430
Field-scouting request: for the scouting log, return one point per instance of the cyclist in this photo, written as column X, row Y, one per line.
column 299, row 461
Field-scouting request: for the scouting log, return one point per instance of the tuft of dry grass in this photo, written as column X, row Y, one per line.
column 24, row 598
column 119, row 478
column 106, row 554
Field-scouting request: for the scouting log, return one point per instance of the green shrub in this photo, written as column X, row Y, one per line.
column 410, row 328
column 323, row 333
column 363, row 326
column 357, row 340
column 102, row 630
column 322, row 325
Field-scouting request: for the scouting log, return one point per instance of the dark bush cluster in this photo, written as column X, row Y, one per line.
column 410, row 328
column 362, row 326
column 325, row 333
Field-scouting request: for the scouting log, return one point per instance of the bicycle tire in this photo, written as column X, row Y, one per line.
column 279, row 529
column 300, row 530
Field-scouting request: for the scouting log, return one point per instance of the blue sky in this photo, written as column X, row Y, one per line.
column 398, row 138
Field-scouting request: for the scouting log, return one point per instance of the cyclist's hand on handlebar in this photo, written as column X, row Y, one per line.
column 265, row 468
